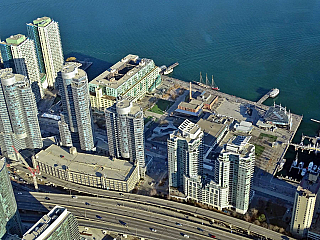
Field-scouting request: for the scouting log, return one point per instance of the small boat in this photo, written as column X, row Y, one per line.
column 301, row 165
column 310, row 166
column 274, row 92
column 282, row 162
column 303, row 172
column 295, row 162
column 314, row 168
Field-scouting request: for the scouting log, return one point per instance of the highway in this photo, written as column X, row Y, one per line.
column 219, row 218
column 130, row 218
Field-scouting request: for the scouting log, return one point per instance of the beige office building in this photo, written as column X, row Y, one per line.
column 306, row 205
column 87, row 169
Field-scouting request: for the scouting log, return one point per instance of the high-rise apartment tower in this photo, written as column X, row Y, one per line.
column 185, row 153
column 73, row 87
column 19, row 126
column 46, row 35
column 19, row 53
column 125, row 126
column 9, row 216
column 234, row 170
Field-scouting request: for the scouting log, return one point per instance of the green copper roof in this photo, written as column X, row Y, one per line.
column 42, row 22
column 16, row 39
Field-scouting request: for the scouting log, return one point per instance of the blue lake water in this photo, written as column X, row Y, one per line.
column 249, row 46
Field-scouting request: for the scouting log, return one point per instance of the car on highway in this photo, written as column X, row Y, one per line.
column 200, row 229
column 178, row 224
column 99, row 217
column 123, row 223
column 47, row 198
column 74, row 197
column 212, row 236
column 153, row 230
column 121, row 194
column 19, row 193
column 86, row 203
column 185, row 235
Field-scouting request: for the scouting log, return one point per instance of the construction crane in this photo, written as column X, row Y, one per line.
column 32, row 171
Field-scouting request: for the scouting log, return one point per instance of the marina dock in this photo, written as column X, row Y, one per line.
column 264, row 98
column 170, row 68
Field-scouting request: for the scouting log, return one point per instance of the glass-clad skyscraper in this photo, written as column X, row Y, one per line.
column 19, row 54
column 125, row 126
column 46, row 35
column 73, row 87
column 19, row 126
column 9, row 216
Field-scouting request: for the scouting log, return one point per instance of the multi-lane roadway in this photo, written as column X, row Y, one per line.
column 234, row 223
column 126, row 217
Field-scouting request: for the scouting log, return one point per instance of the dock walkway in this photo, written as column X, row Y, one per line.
column 264, row 98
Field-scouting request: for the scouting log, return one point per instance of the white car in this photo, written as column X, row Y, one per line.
column 19, row 193
column 153, row 230
column 186, row 236
column 74, row 197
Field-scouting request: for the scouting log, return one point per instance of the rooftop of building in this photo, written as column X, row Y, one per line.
column 188, row 130
column 121, row 71
column 126, row 106
column 42, row 22
column 211, row 127
column 277, row 115
column 239, row 145
column 7, row 74
column 193, row 104
column 15, row 40
column 47, row 224
column 310, row 184
column 95, row 165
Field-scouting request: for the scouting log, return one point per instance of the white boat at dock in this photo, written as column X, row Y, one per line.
column 168, row 71
column 315, row 167
column 282, row 162
column 310, row 166
column 301, row 164
column 295, row 162
column 304, row 170
column 275, row 92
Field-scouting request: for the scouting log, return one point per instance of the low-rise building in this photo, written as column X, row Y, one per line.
column 278, row 116
column 87, row 169
column 130, row 77
column 206, row 191
column 192, row 108
column 208, row 100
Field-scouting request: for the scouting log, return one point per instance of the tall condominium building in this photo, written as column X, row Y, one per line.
column 19, row 53
column 185, row 153
column 9, row 216
column 125, row 126
column 306, row 206
column 130, row 77
column 46, row 35
column 234, row 170
column 19, row 124
column 58, row 224
column 73, row 87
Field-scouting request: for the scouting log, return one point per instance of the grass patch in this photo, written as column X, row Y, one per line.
column 148, row 119
column 259, row 150
column 272, row 138
column 161, row 106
